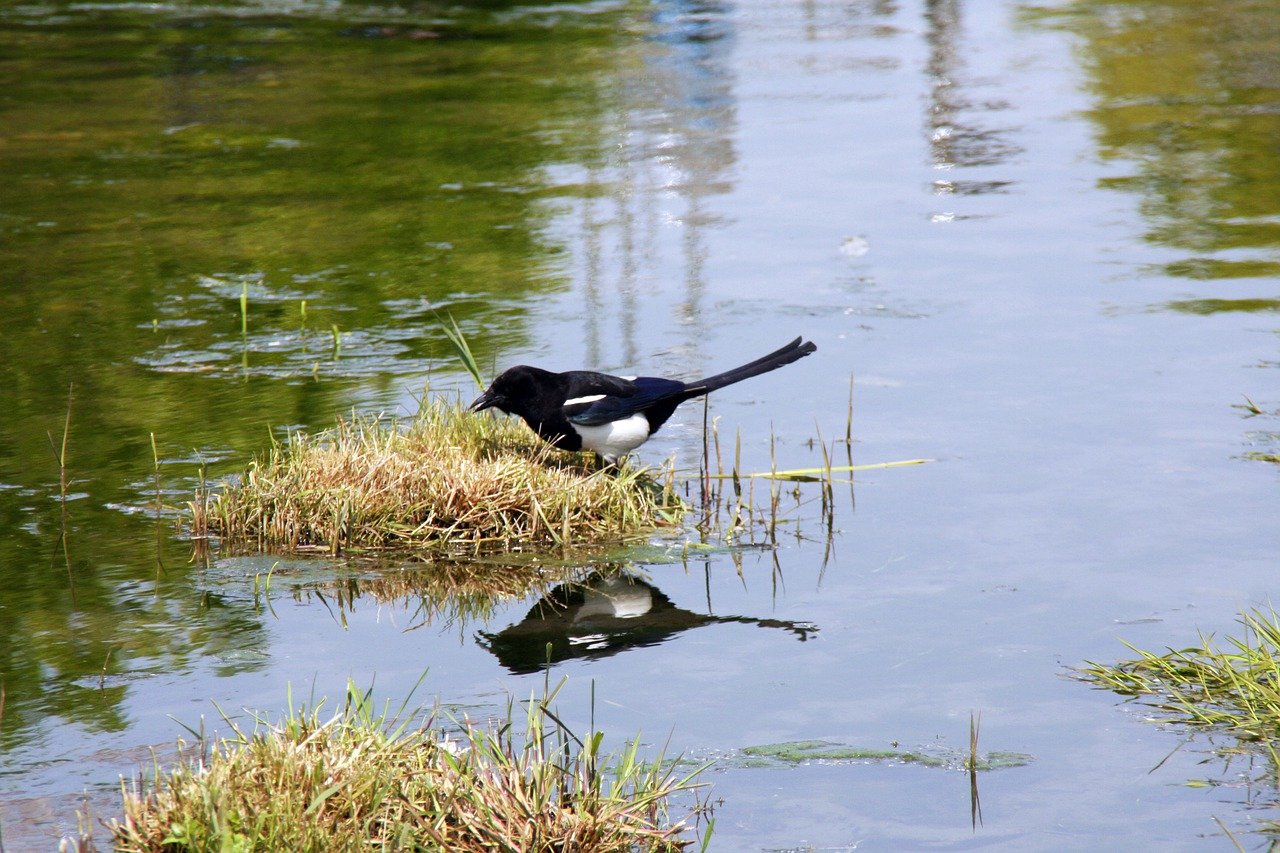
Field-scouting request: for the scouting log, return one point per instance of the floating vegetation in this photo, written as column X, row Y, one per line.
column 1231, row 687
column 818, row 475
column 1250, row 408
column 363, row 780
column 1227, row 692
column 1268, row 439
column 832, row 752
column 446, row 480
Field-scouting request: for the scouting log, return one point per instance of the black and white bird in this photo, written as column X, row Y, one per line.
column 611, row 415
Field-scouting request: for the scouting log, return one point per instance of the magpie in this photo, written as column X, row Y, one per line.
column 610, row 415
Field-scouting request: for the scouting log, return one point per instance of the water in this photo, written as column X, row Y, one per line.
column 1040, row 239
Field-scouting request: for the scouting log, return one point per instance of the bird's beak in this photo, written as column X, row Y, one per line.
column 485, row 401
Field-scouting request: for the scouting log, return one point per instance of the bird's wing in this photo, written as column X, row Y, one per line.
column 585, row 388
column 601, row 402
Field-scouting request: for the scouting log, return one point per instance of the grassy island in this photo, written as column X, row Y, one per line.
column 447, row 479
column 366, row 781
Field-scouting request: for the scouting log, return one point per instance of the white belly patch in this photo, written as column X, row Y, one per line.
column 616, row 438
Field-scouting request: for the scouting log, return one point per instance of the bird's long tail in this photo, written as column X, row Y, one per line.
column 793, row 351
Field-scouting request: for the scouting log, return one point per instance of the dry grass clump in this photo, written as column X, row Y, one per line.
column 448, row 479
column 360, row 782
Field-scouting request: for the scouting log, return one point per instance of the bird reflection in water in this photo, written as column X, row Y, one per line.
column 601, row 616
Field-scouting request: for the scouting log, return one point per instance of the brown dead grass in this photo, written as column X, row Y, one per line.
column 361, row 781
column 449, row 480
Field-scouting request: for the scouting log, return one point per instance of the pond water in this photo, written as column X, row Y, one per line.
column 1039, row 239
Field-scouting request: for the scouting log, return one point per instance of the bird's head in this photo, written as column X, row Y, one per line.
column 511, row 392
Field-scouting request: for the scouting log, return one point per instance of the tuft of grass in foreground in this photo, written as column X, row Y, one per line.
column 1232, row 687
column 447, row 479
column 362, row 781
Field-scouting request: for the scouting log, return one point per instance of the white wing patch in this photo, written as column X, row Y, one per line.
column 590, row 398
column 616, row 438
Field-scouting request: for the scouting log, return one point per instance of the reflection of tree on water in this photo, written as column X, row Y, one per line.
column 601, row 616
column 88, row 614
column 1185, row 108
column 1184, row 103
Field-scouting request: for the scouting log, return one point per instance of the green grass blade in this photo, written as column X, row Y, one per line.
column 463, row 350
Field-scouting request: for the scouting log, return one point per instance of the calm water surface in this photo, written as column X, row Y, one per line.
column 1040, row 238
